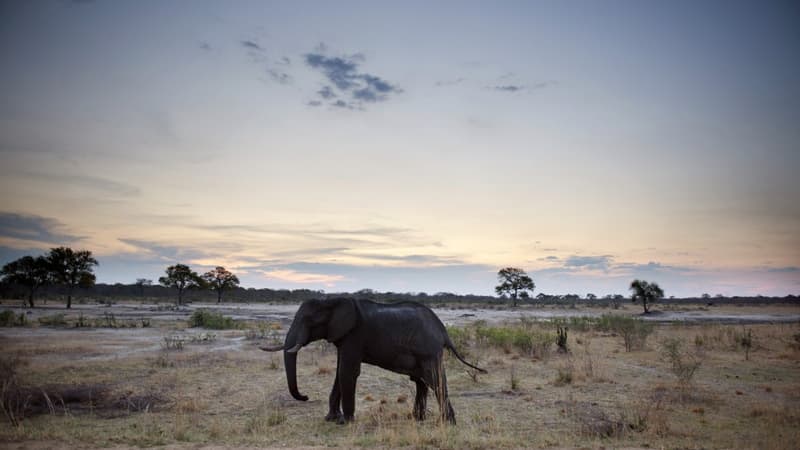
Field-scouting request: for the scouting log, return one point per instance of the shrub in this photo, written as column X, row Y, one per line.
column 215, row 321
column 634, row 332
column 535, row 343
column 745, row 340
column 53, row 321
column 682, row 363
column 9, row 319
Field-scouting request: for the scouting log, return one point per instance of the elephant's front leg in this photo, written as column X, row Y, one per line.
column 348, row 371
column 334, row 413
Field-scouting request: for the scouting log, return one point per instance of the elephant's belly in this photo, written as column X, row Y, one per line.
column 400, row 363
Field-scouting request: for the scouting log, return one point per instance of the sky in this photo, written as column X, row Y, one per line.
column 408, row 146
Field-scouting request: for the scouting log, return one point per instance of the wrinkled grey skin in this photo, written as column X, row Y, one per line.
column 405, row 337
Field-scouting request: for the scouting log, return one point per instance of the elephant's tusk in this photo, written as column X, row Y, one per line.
column 295, row 348
column 273, row 348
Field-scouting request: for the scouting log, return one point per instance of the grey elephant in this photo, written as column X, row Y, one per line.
column 406, row 338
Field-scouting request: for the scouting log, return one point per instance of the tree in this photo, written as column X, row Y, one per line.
column 181, row 277
column 220, row 279
column 646, row 292
column 29, row 272
column 142, row 282
column 71, row 268
column 512, row 281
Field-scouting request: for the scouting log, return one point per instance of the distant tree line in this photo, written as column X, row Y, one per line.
column 62, row 273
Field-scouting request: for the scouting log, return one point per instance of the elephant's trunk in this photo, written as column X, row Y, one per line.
column 290, row 362
column 295, row 339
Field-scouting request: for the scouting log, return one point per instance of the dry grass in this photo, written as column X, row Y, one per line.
column 599, row 395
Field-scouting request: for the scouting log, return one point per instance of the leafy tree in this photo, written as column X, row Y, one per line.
column 512, row 281
column 71, row 268
column 181, row 277
column 142, row 282
column 646, row 292
column 29, row 272
column 219, row 280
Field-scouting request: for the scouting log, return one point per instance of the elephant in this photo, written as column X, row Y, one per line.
column 405, row 337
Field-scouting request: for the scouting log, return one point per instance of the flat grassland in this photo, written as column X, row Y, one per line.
column 127, row 377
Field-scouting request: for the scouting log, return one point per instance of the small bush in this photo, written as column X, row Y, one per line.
column 56, row 320
column 682, row 363
column 173, row 343
column 211, row 320
column 9, row 319
column 634, row 332
column 745, row 340
column 564, row 374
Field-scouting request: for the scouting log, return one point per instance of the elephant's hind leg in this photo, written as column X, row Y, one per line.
column 421, row 400
column 436, row 378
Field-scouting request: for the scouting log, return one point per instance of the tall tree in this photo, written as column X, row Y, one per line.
column 71, row 268
column 646, row 292
column 29, row 272
column 219, row 280
column 181, row 277
column 513, row 281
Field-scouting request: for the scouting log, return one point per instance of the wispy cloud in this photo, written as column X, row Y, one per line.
column 508, row 88
column 355, row 88
column 293, row 276
column 454, row 82
column 251, row 45
column 601, row 262
column 34, row 229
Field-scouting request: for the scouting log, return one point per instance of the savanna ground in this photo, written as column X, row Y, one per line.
column 140, row 376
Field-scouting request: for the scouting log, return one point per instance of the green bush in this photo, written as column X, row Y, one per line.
column 211, row 320
column 634, row 331
column 9, row 319
column 533, row 342
column 55, row 320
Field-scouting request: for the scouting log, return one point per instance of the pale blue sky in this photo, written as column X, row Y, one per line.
column 408, row 146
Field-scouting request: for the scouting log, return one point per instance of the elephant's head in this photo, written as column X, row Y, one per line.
column 316, row 319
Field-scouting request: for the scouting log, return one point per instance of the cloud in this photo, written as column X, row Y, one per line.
column 515, row 88
column 344, row 75
column 790, row 269
column 444, row 83
column 90, row 183
column 293, row 276
column 508, row 88
column 279, row 76
column 32, row 228
column 589, row 262
column 165, row 252
column 250, row 45
column 326, row 93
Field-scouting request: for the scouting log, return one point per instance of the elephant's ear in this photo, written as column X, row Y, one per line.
column 344, row 318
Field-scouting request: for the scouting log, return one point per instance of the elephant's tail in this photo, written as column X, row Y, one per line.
column 449, row 344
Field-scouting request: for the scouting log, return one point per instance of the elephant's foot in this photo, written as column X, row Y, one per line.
column 342, row 420
column 333, row 416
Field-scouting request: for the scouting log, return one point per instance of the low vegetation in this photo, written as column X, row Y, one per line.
column 213, row 321
column 681, row 387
